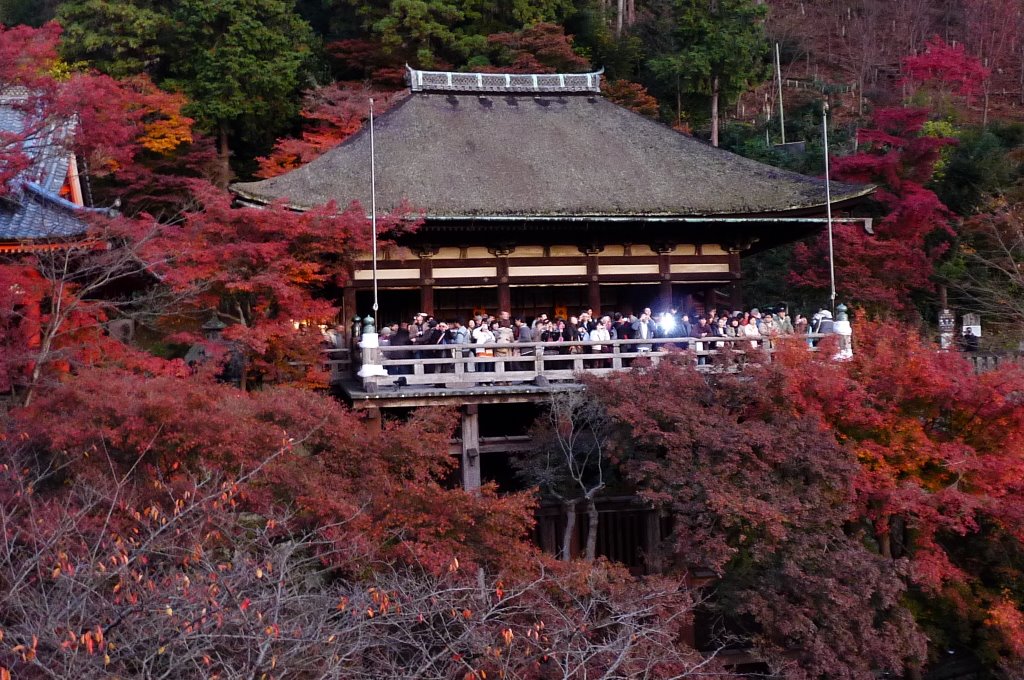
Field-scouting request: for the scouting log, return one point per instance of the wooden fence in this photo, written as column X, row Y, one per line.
column 465, row 366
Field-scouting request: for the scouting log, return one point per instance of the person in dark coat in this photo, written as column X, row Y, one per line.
column 401, row 338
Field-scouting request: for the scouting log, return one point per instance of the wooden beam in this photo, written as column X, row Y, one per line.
column 470, row 463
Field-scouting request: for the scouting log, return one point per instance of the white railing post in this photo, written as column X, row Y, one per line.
column 371, row 368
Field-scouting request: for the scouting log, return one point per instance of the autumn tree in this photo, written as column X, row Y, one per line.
column 945, row 71
column 938, row 473
column 632, row 96
column 714, row 48
column 988, row 271
column 571, row 462
column 57, row 301
column 761, row 495
column 332, row 113
column 540, row 48
column 262, row 269
column 187, row 525
column 885, row 270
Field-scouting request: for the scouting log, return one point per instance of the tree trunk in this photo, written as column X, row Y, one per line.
column 591, row 551
column 619, row 17
column 569, row 508
column 223, row 157
column 630, row 12
column 885, row 545
column 714, row 111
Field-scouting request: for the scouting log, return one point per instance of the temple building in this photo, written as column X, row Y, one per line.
column 538, row 195
column 41, row 207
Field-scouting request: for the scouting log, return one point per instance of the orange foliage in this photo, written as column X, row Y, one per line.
column 334, row 113
column 632, row 96
column 164, row 126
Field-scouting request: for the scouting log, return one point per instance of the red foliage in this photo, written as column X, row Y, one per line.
column 113, row 120
column 947, row 68
column 884, row 270
column 263, row 268
column 372, row 492
column 632, row 96
column 762, row 493
column 333, row 113
column 941, row 462
column 541, row 48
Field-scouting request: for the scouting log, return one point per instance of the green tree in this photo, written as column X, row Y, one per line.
column 435, row 32
column 30, row 12
column 117, row 37
column 714, row 48
column 241, row 62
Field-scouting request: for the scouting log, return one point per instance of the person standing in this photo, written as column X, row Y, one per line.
column 644, row 328
column 524, row 337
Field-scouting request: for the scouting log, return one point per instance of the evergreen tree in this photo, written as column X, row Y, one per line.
column 707, row 47
column 241, row 63
column 118, row 37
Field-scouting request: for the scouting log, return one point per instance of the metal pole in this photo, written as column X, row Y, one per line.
column 373, row 210
column 828, row 210
column 778, row 74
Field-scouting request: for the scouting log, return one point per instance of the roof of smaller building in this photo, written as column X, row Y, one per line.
column 511, row 146
column 32, row 208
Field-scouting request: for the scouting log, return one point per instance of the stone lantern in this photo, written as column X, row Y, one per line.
column 213, row 327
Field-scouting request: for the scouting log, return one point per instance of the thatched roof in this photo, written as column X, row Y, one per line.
column 503, row 154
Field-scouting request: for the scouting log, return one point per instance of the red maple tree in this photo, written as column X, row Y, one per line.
column 883, row 271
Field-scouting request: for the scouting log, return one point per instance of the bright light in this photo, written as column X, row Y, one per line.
column 667, row 322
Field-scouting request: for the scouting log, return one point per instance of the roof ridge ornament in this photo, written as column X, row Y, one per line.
column 504, row 83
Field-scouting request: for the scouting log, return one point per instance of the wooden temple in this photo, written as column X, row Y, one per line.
column 538, row 194
column 42, row 207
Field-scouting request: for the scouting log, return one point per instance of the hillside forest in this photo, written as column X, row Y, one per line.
column 826, row 519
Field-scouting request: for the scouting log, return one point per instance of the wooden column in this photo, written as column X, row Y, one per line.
column 348, row 304
column 664, row 275
column 426, row 279
column 470, row 462
column 501, row 252
column 593, row 277
column 735, row 288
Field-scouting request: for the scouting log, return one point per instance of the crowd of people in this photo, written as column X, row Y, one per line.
column 489, row 332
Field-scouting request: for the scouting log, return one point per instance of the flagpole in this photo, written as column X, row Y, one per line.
column 828, row 210
column 373, row 210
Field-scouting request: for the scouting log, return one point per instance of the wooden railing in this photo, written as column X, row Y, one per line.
column 338, row 362
column 464, row 366
column 990, row 361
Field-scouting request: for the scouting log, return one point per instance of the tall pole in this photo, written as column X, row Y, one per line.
column 778, row 77
column 828, row 210
column 373, row 210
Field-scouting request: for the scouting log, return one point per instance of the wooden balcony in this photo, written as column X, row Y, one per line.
column 421, row 375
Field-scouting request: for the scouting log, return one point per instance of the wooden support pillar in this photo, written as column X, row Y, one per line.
column 470, row 463
column 504, row 290
column 501, row 253
column 593, row 278
column 426, row 279
column 664, row 276
column 736, row 287
column 348, row 305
